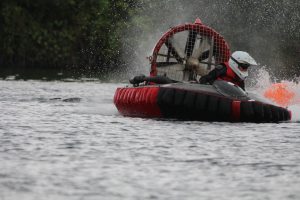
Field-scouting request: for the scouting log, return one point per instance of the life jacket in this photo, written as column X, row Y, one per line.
column 230, row 76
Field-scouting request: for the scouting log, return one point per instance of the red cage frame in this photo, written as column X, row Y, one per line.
column 222, row 47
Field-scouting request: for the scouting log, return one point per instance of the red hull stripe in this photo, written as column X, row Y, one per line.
column 139, row 102
column 236, row 111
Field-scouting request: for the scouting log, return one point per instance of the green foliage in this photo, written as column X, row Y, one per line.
column 107, row 35
column 62, row 33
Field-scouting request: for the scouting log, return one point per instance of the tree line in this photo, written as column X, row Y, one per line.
column 107, row 35
column 62, row 34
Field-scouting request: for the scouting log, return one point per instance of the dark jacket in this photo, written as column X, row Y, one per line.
column 222, row 72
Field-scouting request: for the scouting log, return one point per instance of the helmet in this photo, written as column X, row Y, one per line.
column 239, row 63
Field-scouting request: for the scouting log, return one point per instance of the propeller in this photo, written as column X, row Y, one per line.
column 188, row 49
column 189, row 55
column 174, row 49
column 190, row 43
column 172, row 65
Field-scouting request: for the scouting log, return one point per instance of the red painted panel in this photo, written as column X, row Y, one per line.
column 236, row 111
column 137, row 102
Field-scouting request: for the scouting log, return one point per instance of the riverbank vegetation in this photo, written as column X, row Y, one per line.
column 68, row 34
column 97, row 37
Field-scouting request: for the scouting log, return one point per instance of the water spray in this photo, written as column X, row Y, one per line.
column 284, row 93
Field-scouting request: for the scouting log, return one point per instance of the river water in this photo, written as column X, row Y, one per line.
column 66, row 140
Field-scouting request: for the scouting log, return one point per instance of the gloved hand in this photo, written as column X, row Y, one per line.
column 203, row 80
column 137, row 79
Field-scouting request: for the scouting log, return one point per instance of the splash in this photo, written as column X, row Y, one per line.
column 284, row 93
column 98, row 100
column 281, row 94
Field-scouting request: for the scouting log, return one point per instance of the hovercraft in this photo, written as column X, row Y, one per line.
column 184, row 54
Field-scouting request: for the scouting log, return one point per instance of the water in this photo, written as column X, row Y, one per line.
column 66, row 140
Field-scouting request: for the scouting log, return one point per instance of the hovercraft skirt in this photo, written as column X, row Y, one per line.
column 138, row 102
column 170, row 102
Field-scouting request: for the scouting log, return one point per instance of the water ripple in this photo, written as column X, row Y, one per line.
column 52, row 149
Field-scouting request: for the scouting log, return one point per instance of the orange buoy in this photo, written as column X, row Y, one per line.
column 280, row 94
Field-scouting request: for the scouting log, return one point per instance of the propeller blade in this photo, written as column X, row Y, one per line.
column 171, row 66
column 173, row 47
column 203, row 55
column 208, row 63
column 206, row 54
column 165, row 64
column 188, row 75
column 205, row 50
column 190, row 43
column 211, row 52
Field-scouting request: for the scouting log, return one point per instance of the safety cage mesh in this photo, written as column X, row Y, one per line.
column 187, row 52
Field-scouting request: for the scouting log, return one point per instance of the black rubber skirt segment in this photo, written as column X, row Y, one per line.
column 182, row 104
column 253, row 111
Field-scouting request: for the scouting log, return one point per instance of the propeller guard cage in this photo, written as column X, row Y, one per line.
column 215, row 52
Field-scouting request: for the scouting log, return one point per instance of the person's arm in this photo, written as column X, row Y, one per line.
column 213, row 75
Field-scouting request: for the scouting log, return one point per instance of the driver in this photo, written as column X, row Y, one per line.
column 234, row 71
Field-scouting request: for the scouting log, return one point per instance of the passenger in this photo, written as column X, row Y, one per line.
column 234, row 71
